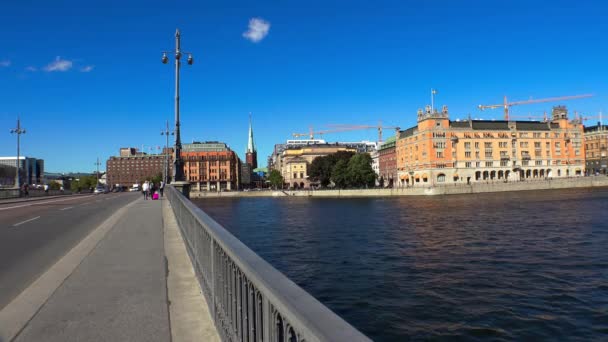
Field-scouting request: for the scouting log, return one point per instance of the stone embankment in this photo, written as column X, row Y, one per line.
column 423, row 190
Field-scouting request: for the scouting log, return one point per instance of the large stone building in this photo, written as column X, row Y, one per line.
column 440, row 151
column 596, row 144
column 210, row 166
column 133, row 167
column 31, row 171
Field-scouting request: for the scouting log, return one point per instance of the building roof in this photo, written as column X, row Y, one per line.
column 250, row 143
column 596, row 128
column 296, row 159
column 388, row 143
column 207, row 146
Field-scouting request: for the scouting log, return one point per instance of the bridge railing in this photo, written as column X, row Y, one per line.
column 250, row 300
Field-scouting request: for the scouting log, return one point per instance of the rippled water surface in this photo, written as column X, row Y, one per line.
column 507, row 266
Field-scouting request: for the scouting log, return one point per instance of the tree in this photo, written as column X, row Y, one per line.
column 275, row 178
column 54, row 185
column 339, row 174
column 321, row 168
column 359, row 171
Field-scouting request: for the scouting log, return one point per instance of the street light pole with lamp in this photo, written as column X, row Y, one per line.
column 178, row 163
column 166, row 133
column 19, row 130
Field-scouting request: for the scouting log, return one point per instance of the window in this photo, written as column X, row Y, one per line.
column 504, row 163
column 441, row 178
column 295, row 175
column 489, row 164
column 539, row 163
column 488, row 145
column 477, row 154
column 439, row 154
column 476, row 144
column 467, row 164
column 488, row 154
column 301, row 174
column 467, row 145
column 467, row 154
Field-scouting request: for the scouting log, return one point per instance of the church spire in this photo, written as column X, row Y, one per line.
column 250, row 143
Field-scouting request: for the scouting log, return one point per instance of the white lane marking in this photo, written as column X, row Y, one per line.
column 26, row 221
column 66, row 208
column 37, row 203
column 86, row 203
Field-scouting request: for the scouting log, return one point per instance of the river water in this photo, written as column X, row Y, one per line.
column 502, row 266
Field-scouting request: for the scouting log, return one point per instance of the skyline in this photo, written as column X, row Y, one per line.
column 96, row 83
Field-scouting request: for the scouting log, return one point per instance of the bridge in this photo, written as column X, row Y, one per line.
column 116, row 267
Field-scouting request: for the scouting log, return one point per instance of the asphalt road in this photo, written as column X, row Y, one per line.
column 35, row 234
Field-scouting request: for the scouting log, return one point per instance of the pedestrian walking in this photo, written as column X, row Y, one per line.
column 146, row 189
column 161, row 188
column 46, row 189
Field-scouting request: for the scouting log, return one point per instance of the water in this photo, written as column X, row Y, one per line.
column 508, row 266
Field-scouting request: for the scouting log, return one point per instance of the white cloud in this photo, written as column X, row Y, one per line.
column 87, row 68
column 258, row 29
column 31, row 68
column 5, row 63
column 58, row 65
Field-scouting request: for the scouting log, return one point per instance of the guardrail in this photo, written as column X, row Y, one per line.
column 250, row 300
column 14, row 193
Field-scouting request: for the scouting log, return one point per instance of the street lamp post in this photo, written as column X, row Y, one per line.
column 19, row 130
column 178, row 163
column 97, row 163
column 166, row 133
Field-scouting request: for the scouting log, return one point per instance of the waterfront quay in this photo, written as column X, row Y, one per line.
column 453, row 189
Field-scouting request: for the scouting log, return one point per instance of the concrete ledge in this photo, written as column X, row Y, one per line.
column 188, row 311
column 422, row 190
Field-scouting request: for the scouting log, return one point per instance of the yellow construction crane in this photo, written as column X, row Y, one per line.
column 507, row 105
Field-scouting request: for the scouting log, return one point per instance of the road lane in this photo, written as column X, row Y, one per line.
column 27, row 250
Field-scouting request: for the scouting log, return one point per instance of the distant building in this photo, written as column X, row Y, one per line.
column 596, row 144
column 211, row 166
column 133, row 167
column 387, row 162
column 440, row 151
column 251, row 157
column 246, row 175
column 31, row 171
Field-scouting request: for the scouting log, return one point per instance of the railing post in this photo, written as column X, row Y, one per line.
column 213, row 276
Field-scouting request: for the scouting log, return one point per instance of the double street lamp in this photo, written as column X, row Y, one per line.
column 178, row 163
column 166, row 133
column 19, row 130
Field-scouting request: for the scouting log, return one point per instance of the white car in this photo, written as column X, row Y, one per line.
column 99, row 190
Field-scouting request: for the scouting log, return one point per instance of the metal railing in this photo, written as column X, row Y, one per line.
column 250, row 300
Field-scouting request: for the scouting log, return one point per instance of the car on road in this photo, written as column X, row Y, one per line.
column 99, row 190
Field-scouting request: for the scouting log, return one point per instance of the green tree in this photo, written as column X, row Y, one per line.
column 321, row 168
column 359, row 171
column 54, row 185
column 339, row 174
column 275, row 179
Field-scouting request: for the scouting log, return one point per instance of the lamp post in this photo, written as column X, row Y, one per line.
column 19, row 130
column 97, row 163
column 166, row 133
column 178, row 163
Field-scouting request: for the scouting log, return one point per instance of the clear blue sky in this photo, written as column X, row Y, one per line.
column 86, row 76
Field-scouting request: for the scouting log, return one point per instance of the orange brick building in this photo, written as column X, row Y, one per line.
column 210, row 166
column 439, row 151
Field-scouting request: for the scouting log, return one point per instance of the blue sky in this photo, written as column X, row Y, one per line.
column 86, row 76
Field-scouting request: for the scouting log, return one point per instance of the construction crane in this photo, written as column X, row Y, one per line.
column 344, row 128
column 530, row 117
column 507, row 105
column 358, row 127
